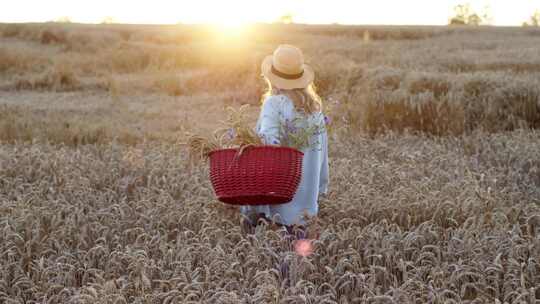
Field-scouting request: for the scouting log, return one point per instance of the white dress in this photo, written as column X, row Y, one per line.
column 275, row 110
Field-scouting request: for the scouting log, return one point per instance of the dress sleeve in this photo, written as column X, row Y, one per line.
column 268, row 125
column 323, row 180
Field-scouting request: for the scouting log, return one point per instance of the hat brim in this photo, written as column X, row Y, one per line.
column 283, row 83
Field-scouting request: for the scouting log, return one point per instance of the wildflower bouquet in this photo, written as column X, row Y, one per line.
column 298, row 133
column 235, row 134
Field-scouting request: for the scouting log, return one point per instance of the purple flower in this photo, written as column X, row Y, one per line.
column 231, row 134
column 327, row 120
column 275, row 142
column 289, row 126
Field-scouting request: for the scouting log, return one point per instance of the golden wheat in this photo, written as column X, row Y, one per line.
column 236, row 132
column 408, row 219
column 404, row 78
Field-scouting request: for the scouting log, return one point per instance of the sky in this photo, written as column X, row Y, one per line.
column 390, row 12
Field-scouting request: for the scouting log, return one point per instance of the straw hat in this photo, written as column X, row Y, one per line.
column 285, row 69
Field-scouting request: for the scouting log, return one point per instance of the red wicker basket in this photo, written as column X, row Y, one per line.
column 260, row 175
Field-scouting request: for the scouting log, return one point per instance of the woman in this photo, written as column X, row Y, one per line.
column 291, row 97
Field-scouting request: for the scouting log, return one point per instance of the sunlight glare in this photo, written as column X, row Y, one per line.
column 230, row 28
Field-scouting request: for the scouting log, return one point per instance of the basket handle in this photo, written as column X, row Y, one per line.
column 239, row 154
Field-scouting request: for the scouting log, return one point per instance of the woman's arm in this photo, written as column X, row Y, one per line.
column 269, row 120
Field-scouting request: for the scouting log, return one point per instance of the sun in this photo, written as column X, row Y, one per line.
column 230, row 27
column 227, row 30
column 230, row 18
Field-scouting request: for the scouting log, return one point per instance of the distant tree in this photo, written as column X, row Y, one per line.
column 461, row 14
column 487, row 16
column 464, row 15
column 457, row 21
column 285, row 19
column 474, row 19
column 108, row 20
column 63, row 19
column 534, row 20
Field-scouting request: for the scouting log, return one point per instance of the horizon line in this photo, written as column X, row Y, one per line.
column 262, row 23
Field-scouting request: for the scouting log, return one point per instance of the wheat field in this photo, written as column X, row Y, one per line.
column 434, row 166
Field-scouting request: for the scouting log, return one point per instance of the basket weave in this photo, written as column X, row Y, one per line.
column 260, row 175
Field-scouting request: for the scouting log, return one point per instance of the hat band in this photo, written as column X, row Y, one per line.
column 286, row 76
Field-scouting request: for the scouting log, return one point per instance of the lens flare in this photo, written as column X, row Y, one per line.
column 303, row 247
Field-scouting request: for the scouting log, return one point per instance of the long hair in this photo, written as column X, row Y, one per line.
column 306, row 100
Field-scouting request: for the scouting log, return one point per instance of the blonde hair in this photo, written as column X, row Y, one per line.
column 306, row 99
